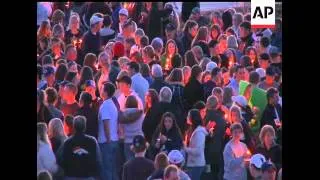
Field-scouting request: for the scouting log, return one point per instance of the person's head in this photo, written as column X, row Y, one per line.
column 176, row 61
column 237, row 19
column 71, row 76
column 70, row 91
column 235, row 114
column 236, row 131
column 161, row 161
column 128, row 28
column 156, row 71
column 206, row 76
column 128, row 43
column 47, row 60
column 267, row 135
column 74, row 22
column 44, row 43
column 232, row 11
column 165, row 94
column 231, row 56
column 107, row 21
column 225, row 76
column 138, row 35
column 171, row 48
column 269, row 171
column 198, row 52
column 56, row 45
column 123, row 62
column 195, row 14
column 270, row 75
column 216, row 17
column 79, row 124
column 151, row 98
column 186, row 70
column 124, row 84
column 133, row 68
column 256, row 162
column 86, row 74
column 201, row 106
column 227, row 94
column 108, row 90
column 118, row 50
column 215, row 31
column 139, row 144
column 42, row 132
column 226, row 19
column 176, row 75
column 58, row 31
column 251, row 51
column 245, row 29
column 202, row 35
column 148, row 54
column 223, row 44
column 190, row 59
column 204, row 63
column 44, row 30
column 239, row 73
column 254, row 77
column 216, row 76
column 247, row 17
column 171, row 173
column 123, row 15
column 49, row 74
column 90, row 60
column 194, row 118
column 90, row 87
column 264, row 60
column 131, row 102
column 95, row 23
column 157, row 45
column 168, row 122
column 196, row 72
column 170, row 31
column 71, row 52
column 264, row 42
column 175, row 157
column 144, row 41
column 214, row 47
column 230, row 32
column 145, row 70
column 55, row 128
column 44, row 175
column 272, row 96
column 191, row 28
column 218, row 92
column 85, row 99
column 245, row 61
column 68, row 124
column 58, row 17
column 51, row 95
column 232, row 42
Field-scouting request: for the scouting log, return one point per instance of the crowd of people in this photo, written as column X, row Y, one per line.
column 138, row 91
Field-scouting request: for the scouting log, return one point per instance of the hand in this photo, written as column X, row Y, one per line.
column 157, row 144
column 163, row 138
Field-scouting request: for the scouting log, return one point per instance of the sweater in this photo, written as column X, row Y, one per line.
column 196, row 148
column 46, row 159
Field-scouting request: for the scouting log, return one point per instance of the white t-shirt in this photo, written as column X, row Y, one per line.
column 140, row 85
column 239, row 149
column 122, row 100
column 108, row 111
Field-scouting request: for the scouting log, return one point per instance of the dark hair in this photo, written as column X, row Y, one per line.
column 247, row 17
column 195, row 117
column 245, row 61
column 90, row 60
column 79, row 123
column 169, row 169
column 115, row 63
column 47, row 60
column 145, row 70
column 238, row 67
column 189, row 24
column 265, row 56
column 195, row 71
column 86, row 98
column 70, row 76
column 271, row 92
column 199, row 105
column 254, row 77
column 85, row 74
column 213, row 43
column 61, row 72
column 135, row 66
column 170, row 27
column 190, row 59
column 107, row 20
column 61, row 61
column 72, row 87
column 39, row 71
column 176, row 61
column 52, row 95
column 235, row 126
column 176, row 75
column 231, row 31
column 131, row 102
column 215, row 71
column 130, row 41
column 226, row 19
column 224, row 70
column 144, row 41
column 137, row 57
column 154, row 97
column 68, row 47
column 265, row 42
column 109, row 88
column 175, row 126
column 69, row 120
column 246, row 25
column 217, row 28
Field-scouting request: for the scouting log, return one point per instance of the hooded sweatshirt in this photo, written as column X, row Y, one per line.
column 196, row 148
column 132, row 129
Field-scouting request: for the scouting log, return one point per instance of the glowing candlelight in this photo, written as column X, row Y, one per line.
column 226, row 116
column 80, row 42
column 248, row 152
column 74, row 42
column 230, row 63
column 67, row 4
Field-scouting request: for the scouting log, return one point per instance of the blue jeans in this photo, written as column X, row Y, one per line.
column 109, row 160
column 195, row 172
column 127, row 152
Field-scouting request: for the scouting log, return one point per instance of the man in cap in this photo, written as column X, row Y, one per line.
column 123, row 17
column 269, row 171
column 264, row 60
column 91, row 39
column 48, row 72
column 256, row 162
column 176, row 158
column 139, row 83
column 270, row 80
column 90, row 87
column 276, row 60
column 138, row 167
column 196, row 16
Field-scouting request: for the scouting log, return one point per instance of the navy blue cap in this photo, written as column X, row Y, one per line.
column 63, row 83
column 48, row 70
column 139, row 143
column 267, row 166
column 90, row 83
column 270, row 71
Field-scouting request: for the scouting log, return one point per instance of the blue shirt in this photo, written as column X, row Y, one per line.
column 235, row 86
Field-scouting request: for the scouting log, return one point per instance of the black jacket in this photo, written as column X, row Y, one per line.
column 204, row 47
column 187, row 8
column 193, row 92
column 80, row 156
column 269, row 115
column 155, row 24
column 178, row 102
column 44, row 115
column 249, row 140
column 174, row 140
column 92, row 120
column 274, row 153
column 215, row 143
column 248, row 41
column 208, row 87
column 186, row 41
column 91, row 43
column 158, row 83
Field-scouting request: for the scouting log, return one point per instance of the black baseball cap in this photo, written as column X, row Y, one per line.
column 266, row 166
column 89, row 83
column 125, row 79
column 139, row 143
column 270, row 71
column 48, row 70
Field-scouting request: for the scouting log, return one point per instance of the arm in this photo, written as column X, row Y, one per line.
column 230, row 160
column 130, row 117
column 106, row 125
column 199, row 147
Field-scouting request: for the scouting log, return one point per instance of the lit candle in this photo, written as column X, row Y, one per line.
column 80, row 42
column 248, row 152
column 67, row 4
column 74, row 42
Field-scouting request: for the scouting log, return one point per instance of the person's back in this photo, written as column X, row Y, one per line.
column 140, row 85
column 158, row 83
column 138, row 168
column 69, row 109
column 132, row 129
column 193, row 92
column 92, row 120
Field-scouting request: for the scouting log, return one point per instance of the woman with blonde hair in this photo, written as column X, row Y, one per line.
column 46, row 159
column 268, row 146
column 74, row 33
column 56, row 134
column 44, row 30
column 58, row 31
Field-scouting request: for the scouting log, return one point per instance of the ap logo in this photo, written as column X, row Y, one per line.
column 263, row 13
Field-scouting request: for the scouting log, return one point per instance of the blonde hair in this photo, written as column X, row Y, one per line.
column 212, row 102
column 236, row 109
column 57, row 16
column 42, row 130
column 264, row 130
column 55, row 128
column 74, row 16
column 123, row 60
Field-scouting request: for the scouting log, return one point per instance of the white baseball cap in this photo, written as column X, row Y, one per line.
column 175, row 157
column 257, row 160
column 261, row 72
column 95, row 19
column 210, row 66
column 124, row 11
column 241, row 100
